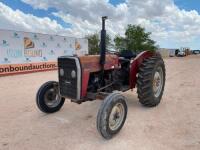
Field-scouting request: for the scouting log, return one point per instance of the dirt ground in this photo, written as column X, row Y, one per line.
column 173, row 125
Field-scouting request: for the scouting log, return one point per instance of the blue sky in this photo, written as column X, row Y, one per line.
column 171, row 28
column 188, row 4
column 115, row 2
column 18, row 4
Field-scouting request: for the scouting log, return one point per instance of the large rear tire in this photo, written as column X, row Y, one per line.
column 112, row 115
column 48, row 98
column 151, row 81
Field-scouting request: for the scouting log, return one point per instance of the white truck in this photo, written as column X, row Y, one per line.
column 183, row 51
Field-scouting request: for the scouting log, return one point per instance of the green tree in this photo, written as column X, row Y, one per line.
column 136, row 39
column 120, row 43
column 94, row 43
column 108, row 40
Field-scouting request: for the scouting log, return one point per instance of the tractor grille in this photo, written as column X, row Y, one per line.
column 69, row 77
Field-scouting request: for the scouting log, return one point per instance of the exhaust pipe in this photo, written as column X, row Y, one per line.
column 103, row 43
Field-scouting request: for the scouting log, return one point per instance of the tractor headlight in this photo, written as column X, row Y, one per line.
column 62, row 72
column 73, row 74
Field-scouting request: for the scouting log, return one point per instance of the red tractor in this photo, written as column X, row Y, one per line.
column 105, row 76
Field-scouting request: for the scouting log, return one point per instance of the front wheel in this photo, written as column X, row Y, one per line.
column 48, row 98
column 112, row 115
column 151, row 81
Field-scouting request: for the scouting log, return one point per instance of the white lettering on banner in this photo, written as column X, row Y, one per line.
column 12, row 53
column 32, row 53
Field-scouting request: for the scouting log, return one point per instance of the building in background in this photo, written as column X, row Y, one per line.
column 165, row 52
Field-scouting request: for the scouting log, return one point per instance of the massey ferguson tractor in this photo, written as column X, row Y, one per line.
column 105, row 77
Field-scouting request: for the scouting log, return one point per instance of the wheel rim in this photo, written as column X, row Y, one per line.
column 116, row 116
column 52, row 98
column 158, row 82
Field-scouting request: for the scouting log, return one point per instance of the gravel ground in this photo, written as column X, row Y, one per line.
column 173, row 125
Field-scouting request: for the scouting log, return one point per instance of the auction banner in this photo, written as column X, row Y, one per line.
column 23, row 52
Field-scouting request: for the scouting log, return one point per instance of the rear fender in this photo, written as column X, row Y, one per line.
column 134, row 66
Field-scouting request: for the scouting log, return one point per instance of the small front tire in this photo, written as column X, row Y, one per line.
column 48, row 98
column 112, row 115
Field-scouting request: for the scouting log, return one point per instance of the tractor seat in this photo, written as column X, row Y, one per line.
column 122, row 59
column 127, row 54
